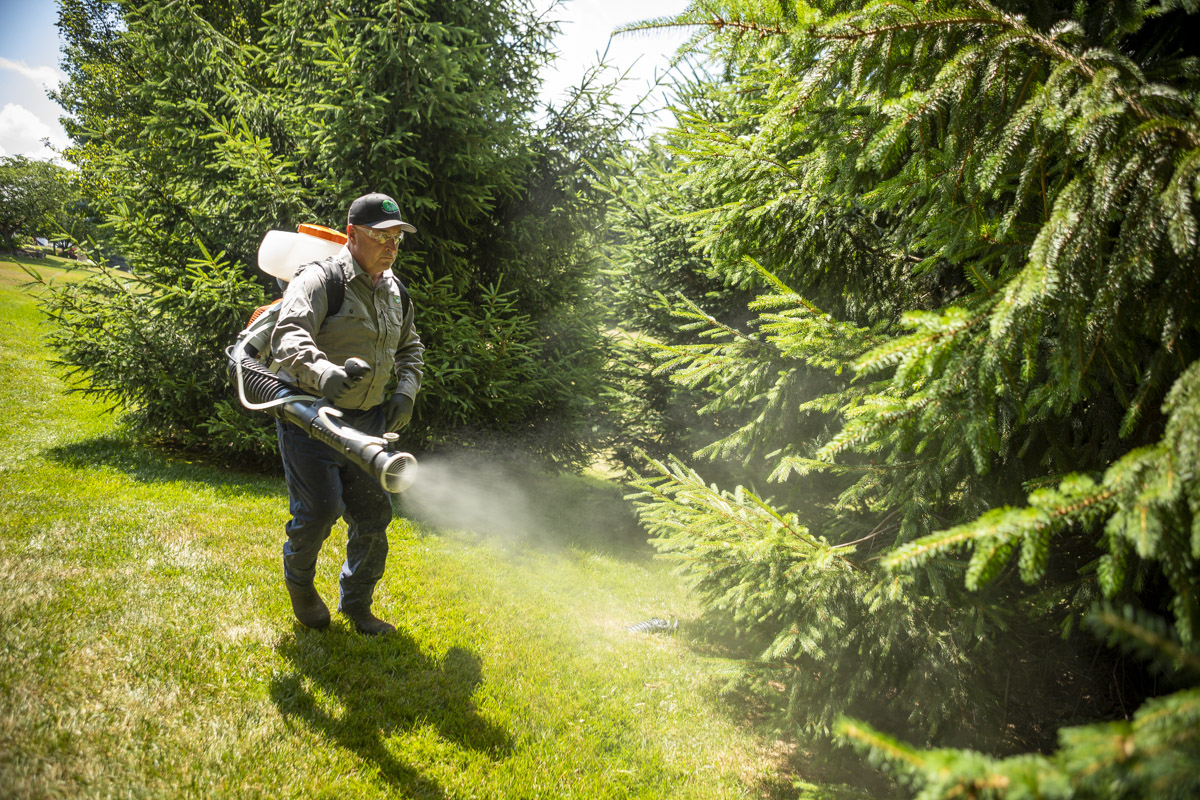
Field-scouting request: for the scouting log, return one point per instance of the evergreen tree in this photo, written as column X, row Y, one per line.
column 651, row 262
column 970, row 233
column 199, row 126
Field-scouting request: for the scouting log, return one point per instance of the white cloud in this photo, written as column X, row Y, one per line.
column 43, row 76
column 28, row 115
column 22, row 132
column 18, row 121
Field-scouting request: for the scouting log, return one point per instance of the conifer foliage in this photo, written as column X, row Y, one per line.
column 970, row 368
column 199, row 126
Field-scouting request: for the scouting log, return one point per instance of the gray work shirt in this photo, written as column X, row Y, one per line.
column 372, row 324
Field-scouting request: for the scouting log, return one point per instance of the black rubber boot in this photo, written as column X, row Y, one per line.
column 367, row 623
column 308, row 606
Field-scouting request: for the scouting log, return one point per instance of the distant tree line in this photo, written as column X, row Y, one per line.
column 40, row 199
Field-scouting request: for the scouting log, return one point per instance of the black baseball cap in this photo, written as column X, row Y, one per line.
column 377, row 210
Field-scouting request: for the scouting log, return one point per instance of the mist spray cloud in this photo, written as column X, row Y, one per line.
column 470, row 494
column 519, row 502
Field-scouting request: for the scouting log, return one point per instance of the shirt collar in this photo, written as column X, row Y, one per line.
column 352, row 267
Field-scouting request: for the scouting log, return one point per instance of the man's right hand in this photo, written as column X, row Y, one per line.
column 338, row 380
column 335, row 383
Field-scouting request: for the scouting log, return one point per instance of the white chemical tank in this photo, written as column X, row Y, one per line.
column 281, row 252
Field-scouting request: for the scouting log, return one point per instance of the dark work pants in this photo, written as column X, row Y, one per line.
column 322, row 486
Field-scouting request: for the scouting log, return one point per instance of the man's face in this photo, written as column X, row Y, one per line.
column 374, row 250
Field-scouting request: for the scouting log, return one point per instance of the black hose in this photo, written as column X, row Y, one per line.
column 260, row 384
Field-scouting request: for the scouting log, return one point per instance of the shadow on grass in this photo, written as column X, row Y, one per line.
column 150, row 465
column 357, row 692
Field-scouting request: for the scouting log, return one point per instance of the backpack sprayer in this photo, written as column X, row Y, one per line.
column 259, row 389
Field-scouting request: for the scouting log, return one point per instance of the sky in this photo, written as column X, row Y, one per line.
column 29, row 55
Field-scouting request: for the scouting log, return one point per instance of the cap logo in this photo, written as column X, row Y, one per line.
column 390, row 206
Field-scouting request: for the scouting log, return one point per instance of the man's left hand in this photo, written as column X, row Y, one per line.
column 399, row 411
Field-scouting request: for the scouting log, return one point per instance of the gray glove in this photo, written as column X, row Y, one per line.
column 338, row 380
column 399, row 411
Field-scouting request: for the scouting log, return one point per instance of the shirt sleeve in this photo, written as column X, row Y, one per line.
column 293, row 342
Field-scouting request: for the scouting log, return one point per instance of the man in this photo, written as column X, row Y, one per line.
column 310, row 346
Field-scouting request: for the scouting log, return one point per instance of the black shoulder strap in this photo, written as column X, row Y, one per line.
column 335, row 285
column 405, row 300
column 333, row 282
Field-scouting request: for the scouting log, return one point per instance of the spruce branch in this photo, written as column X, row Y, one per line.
column 1048, row 512
column 919, row 25
column 1050, row 46
column 1149, row 637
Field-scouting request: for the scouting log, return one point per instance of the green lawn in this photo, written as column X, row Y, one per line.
column 147, row 647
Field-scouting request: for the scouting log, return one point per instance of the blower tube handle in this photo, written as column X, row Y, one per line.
column 356, row 369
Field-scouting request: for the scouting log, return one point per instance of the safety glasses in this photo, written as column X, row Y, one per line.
column 381, row 237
